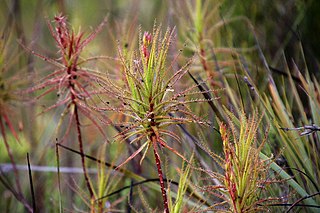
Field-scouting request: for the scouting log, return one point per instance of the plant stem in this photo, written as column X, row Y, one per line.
column 158, row 162
column 81, row 150
column 20, row 197
column 76, row 114
column 15, row 170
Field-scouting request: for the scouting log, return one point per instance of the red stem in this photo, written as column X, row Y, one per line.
column 76, row 114
column 81, row 150
column 15, row 170
column 158, row 162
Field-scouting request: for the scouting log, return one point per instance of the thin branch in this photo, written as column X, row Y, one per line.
column 308, row 129
column 31, row 186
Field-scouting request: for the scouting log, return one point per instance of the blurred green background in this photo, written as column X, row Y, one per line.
column 283, row 28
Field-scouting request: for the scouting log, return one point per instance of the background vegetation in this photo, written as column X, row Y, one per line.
column 236, row 129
